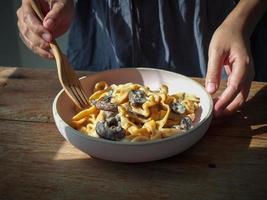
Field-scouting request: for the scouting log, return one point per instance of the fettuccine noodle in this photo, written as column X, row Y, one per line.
column 136, row 113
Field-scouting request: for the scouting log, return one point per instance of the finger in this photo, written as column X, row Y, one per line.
column 41, row 52
column 29, row 21
column 36, row 26
column 233, row 106
column 227, row 96
column 34, row 39
column 53, row 16
column 234, row 84
column 239, row 99
column 213, row 77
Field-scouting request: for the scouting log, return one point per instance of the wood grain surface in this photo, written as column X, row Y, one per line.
column 229, row 162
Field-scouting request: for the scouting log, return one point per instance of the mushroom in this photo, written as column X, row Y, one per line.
column 186, row 123
column 178, row 108
column 106, row 106
column 137, row 97
column 110, row 129
column 105, row 103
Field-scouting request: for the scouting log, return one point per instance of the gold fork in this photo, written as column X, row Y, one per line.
column 66, row 74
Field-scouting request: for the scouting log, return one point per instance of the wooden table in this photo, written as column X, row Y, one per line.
column 230, row 162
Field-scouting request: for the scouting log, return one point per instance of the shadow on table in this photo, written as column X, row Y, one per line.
column 250, row 121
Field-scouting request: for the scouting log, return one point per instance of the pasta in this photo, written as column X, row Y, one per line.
column 135, row 113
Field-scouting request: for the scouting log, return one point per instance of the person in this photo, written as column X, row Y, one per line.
column 206, row 38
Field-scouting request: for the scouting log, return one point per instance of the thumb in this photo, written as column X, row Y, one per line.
column 52, row 17
column 213, row 77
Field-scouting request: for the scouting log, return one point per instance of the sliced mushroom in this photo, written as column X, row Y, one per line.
column 137, row 97
column 105, row 103
column 178, row 108
column 186, row 123
column 110, row 129
column 107, row 106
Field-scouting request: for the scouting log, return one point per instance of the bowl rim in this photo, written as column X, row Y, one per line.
column 149, row 142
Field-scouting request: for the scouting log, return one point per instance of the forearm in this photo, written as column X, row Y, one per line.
column 246, row 15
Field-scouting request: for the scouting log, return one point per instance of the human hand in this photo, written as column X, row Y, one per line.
column 229, row 48
column 35, row 34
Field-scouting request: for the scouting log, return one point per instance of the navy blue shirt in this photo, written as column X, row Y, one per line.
column 167, row 34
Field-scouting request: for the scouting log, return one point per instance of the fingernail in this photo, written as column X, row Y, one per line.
column 211, row 87
column 46, row 37
column 49, row 24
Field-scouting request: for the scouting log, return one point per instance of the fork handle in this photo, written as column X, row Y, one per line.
column 53, row 44
column 37, row 9
column 59, row 56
